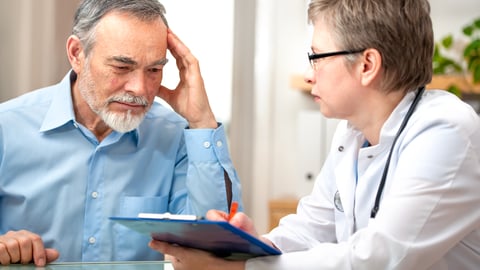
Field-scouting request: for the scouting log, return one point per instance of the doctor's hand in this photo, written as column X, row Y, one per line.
column 239, row 220
column 25, row 247
column 187, row 258
column 189, row 98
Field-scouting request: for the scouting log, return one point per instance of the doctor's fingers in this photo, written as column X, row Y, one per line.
column 245, row 223
column 183, row 258
column 216, row 215
column 20, row 247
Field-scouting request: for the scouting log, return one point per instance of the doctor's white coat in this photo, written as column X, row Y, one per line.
column 429, row 215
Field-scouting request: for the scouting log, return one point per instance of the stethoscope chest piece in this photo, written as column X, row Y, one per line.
column 338, row 201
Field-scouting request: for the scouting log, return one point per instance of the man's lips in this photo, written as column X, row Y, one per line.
column 127, row 106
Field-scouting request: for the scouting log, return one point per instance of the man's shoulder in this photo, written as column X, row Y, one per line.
column 27, row 100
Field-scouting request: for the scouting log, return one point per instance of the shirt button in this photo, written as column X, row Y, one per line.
column 340, row 148
column 207, row 144
column 219, row 143
column 94, row 194
column 92, row 240
column 370, row 156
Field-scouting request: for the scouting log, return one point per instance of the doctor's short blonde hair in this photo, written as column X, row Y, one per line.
column 401, row 30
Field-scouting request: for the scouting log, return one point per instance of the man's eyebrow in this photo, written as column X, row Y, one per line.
column 123, row 59
column 130, row 61
column 161, row 62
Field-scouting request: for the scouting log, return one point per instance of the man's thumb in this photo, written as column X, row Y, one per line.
column 52, row 254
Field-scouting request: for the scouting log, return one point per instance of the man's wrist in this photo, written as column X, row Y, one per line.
column 211, row 124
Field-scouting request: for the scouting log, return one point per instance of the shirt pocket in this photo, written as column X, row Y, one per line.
column 127, row 244
column 131, row 206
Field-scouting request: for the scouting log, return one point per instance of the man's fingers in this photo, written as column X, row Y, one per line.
column 39, row 256
column 9, row 249
column 52, row 254
column 173, row 43
column 166, row 94
column 19, row 247
column 4, row 255
column 180, row 51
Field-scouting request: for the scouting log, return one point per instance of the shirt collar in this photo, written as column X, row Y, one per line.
column 61, row 108
column 391, row 126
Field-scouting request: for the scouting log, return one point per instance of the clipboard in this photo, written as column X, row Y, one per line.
column 217, row 237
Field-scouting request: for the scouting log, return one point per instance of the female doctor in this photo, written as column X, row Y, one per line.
column 400, row 188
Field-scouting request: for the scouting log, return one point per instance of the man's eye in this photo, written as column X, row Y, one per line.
column 122, row 67
column 155, row 70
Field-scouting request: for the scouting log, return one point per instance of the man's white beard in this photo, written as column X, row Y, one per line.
column 121, row 122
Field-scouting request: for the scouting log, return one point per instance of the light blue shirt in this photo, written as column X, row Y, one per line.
column 59, row 182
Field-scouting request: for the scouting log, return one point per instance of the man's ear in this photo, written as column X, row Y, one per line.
column 371, row 66
column 75, row 53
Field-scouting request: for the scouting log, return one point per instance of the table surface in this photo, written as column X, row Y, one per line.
column 140, row 265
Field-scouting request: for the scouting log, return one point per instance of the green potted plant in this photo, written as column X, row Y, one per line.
column 465, row 67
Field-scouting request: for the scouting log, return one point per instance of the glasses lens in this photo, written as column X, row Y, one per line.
column 312, row 61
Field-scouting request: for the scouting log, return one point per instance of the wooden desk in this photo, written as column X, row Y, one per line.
column 280, row 208
column 140, row 265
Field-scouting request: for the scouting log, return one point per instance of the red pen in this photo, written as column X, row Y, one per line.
column 233, row 210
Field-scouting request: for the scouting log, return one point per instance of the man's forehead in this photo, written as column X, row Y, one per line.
column 118, row 22
column 124, row 38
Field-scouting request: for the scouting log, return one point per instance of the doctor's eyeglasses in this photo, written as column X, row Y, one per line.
column 313, row 57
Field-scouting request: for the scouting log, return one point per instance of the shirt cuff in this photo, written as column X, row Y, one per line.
column 207, row 144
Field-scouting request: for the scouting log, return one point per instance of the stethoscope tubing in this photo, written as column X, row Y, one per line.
column 381, row 186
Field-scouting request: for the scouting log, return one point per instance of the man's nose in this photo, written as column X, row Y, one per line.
column 137, row 83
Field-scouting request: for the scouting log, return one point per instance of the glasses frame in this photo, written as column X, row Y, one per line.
column 315, row 56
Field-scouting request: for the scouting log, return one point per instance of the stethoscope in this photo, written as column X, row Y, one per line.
column 417, row 98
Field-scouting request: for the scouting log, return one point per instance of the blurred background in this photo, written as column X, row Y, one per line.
column 249, row 52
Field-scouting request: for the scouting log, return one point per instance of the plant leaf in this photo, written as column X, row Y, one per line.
column 436, row 50
column 476, row 75
column 468, row 30
column 473, row 63
column 476, row 23
column 472, row 49
column 447, row 41
column 454, row 89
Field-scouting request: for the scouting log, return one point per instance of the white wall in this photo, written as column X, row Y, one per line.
column 206, row 28
column 450, row 16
